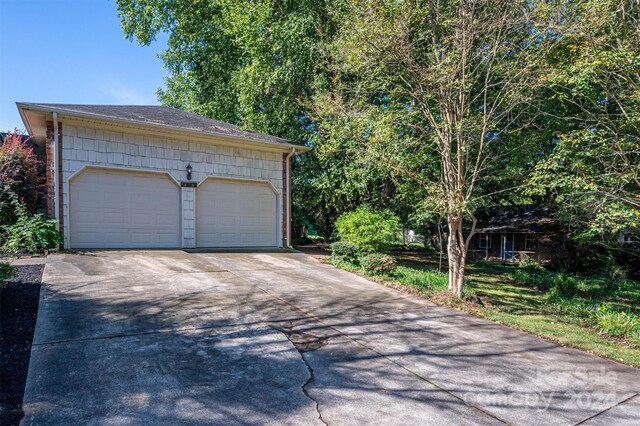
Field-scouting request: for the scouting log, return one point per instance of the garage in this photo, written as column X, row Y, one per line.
column 118, row 209
column 235, row 213
column 152, row 176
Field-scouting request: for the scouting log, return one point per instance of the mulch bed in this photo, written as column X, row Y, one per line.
column 18, row 311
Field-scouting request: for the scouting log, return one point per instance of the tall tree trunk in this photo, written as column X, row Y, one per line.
column 440, row 238
column 457, row 252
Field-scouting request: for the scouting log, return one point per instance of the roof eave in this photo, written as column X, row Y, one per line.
column 283, row 146
column 24, row 118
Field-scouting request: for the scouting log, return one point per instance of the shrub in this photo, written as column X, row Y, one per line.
column 378, row 264
column 538, row 277
column 616, row 276
column 617, row 324
column 529, row 263
column 564, row 285
column 32, row 233
column 342, row 250
column 371, row 231
column 6, row 271
column 19, row 176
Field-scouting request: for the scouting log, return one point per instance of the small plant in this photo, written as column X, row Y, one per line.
column 369, row 230
column 32, row 233
column 564, row 286
column 616, row 276
column 344, row 251
column 6, row 271
column 378, row 264
column 578, row 310
column 617, row 324
column 529, row 263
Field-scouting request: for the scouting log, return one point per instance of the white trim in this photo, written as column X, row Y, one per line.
column 67, row 190
column 243, row 179
column 122, row 169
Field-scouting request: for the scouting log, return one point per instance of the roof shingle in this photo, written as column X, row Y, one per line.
column 161, row 115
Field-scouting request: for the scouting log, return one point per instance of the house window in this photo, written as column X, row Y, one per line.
column 485, row 241
column 530, row 242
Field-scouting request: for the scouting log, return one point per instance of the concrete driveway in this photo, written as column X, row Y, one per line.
column 170, row 337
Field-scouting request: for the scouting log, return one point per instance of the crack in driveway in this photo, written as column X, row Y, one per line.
column 303, row 342
column 317, row 320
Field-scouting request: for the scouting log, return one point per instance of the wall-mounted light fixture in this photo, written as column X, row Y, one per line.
column 189, row 170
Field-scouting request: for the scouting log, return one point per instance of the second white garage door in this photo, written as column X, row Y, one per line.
column 114, row 209
column 235, row 214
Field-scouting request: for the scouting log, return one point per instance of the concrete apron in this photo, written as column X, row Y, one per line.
column 170, row 337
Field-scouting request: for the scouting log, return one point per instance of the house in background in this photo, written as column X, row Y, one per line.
column 158, row 177
column 515, row 233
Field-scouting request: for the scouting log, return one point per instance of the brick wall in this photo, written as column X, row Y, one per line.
column 50, row 168
column 50, row 171
column 285, row 197
column 86, row 146
column 286, row 200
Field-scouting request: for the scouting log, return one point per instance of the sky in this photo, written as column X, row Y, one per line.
column 72, row 51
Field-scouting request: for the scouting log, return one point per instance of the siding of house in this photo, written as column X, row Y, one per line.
column 89, row 145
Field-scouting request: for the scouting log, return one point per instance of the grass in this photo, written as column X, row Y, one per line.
column 591, row 314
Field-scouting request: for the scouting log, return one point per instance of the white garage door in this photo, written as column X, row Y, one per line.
column 235, row 214
column 113, row 209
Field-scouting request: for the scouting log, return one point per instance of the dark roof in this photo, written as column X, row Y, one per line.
column 162, row 116
column 524, row 219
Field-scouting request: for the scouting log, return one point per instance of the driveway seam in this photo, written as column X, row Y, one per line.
column 607, row 409
column 147, row 273
column 160, row 331
column 357, row 342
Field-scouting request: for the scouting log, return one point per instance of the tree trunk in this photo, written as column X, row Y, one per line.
column 440, row 238
column 457, row 252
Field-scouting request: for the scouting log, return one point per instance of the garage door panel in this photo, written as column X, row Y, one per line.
column 114, row 209
column 115, row 237
column 113, row 218
column 235, row 214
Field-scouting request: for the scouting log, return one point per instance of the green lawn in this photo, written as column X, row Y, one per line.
column 493, row 293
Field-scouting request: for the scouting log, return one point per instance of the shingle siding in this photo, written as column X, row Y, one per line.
column 86, row 146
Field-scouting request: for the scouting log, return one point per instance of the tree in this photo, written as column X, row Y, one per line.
column 246, row 62
column 450, row 80
column 593, row 172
